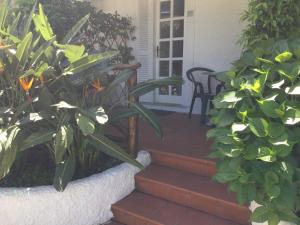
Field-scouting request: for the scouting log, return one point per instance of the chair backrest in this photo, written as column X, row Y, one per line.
column 202, row 76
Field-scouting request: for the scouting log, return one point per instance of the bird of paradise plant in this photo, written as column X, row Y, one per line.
column 57, row 117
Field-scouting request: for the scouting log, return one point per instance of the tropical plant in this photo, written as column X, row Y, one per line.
column 52, row 98
column 270, row 19
column 104, row 31
column 257, row 130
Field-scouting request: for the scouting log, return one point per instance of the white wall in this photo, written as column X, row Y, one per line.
column 211, row 35
column 212, row 30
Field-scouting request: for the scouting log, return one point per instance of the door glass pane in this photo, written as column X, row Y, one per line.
column 164, row 90
column 176, row 90
column 164, row 51
column 178, row 28
column 178, row 8
column 165, row 9
column 177, row 68
column 177, row 49
column 164, row 68
column 165, row 29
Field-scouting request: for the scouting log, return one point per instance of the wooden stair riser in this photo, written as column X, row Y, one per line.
column 208, row 204
column 128, row 218
column 193, row 165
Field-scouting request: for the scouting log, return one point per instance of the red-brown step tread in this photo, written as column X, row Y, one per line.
column 143, row 209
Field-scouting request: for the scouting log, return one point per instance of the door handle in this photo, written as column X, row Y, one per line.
column 157, row 51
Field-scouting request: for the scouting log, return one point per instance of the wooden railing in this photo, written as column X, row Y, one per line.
column 133, row 121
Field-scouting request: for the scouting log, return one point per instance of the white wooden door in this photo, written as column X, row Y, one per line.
column 170, row 28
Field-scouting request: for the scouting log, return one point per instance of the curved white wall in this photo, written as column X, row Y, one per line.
column 84, row 202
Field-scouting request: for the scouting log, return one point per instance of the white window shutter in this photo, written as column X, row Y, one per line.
column 145, row 43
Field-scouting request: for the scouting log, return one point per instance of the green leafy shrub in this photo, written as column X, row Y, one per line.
column 270, row 19
column 257, row 132
column 104, row 31
column 51, row 98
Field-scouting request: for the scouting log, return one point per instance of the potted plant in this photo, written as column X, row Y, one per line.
column 257, row 130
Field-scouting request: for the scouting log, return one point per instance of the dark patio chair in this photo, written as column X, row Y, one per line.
column 202, row 80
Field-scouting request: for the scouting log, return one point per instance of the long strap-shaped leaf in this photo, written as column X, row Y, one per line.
column 23, row 51
column 149, row 116
column 87, row 62
column 75, row 29
column 3, row 13
column 64, row 173
column 107, row 146
column 122, row 77
column 29, row 20
column 40, row 137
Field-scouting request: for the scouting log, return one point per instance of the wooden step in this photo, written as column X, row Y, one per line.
column 113, row 223
column 183, row 162
column 143, row 209
column 195, row 191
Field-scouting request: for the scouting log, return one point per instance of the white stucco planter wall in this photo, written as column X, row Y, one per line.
column 84, row 202
column 254, row 205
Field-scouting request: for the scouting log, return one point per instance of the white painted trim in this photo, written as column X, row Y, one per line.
column 84, row 202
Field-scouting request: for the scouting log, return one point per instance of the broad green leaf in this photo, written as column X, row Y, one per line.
column 8, row 151
column 231, row 96
column 63, row 140
column 224, row 177
column 276, row 129
column 40, row 52
column 273, row 219
column 292, row 116
column 87, row 62
column 145, row 87
column 3, row 13
column 123, row 114
column 149, row 116
column 42, row 25
column 121, row 78
column 270, row 108
column 223, row 117
column 284, row 57
column 75, row 29
column 86, row 125
column 238, row 127
column 259, row 126
column 64, row 105
column 260, row 215
column 13, row 27
column 22, row 53
column 294, row 90
column 29, row 19
column 107, row 146
column 288, row 215
column 40, row 137
column 64, row 173
column 72, row 52
column 271, row 177
column 266, row 154
column 97, row 114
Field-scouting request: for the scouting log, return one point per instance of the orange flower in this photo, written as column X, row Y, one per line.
column 97, row 86
column 26, row 83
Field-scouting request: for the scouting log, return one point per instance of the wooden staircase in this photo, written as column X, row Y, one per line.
column 178, row 190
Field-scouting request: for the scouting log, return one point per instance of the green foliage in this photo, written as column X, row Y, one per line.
column 257, row 132
column 52, row 98
column 258, row 143
column 104, row 31
column 270, row 19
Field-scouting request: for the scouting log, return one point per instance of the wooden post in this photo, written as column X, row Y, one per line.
column 133, row 123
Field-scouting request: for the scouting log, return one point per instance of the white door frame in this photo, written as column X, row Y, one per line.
column 169, row 99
